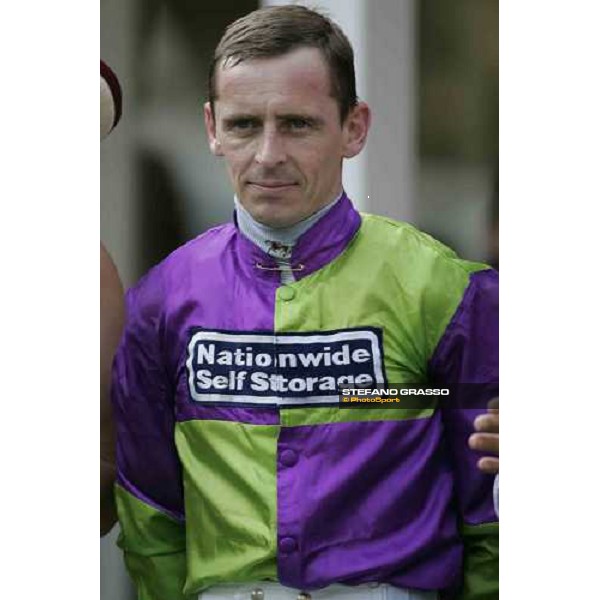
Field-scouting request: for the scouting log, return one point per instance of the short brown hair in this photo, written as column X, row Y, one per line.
column 277, row 30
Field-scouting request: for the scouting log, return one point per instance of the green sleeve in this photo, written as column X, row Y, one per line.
column 480, row 562
column 153, row 544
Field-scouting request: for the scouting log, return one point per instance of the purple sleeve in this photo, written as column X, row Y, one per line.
column 468, row 354
column 147, row 462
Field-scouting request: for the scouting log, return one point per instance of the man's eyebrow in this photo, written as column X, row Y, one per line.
column 312, row 119
column 240, row 117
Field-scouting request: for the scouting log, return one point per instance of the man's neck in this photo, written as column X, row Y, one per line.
column 277, row 243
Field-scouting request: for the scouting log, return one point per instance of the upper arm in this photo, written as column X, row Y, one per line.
column 149, row 488
column 467, row 355
column 111, row 324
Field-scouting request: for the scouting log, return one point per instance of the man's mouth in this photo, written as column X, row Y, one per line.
column 272, row 184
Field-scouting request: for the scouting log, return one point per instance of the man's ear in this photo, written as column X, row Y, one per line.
column 356, row 126
column 211, row 130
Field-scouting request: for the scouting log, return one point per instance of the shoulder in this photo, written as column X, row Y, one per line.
column 203, row 249
column 111, row 293
column 110, row 282
column 147, row 297
column 415, row 252
column 438, row 281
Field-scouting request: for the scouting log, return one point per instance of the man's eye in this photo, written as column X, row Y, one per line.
column 298, row 124
column 243, row 125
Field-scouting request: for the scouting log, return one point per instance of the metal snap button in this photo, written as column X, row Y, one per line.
column 257, row 594
column 304, row 596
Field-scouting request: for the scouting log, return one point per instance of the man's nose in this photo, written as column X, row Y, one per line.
column 271, row 149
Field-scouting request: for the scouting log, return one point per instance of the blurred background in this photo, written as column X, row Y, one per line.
column 428, row 69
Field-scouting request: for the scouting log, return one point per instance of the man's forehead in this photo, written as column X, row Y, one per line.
column 301, row 72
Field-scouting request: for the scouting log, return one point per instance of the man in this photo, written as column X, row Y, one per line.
column 487, row 440
column 111, row 317
column 238, row 474
column 111, row 324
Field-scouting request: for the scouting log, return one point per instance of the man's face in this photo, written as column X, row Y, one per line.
column 279, row 129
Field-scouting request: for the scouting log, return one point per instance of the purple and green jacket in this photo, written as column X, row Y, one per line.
column 235, row 462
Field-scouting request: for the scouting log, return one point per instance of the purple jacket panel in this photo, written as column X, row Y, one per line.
column 468, row 354
column 147, row 463
column 367, row 501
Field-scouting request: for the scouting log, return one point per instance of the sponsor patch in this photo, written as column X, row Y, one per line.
column 289, row 369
